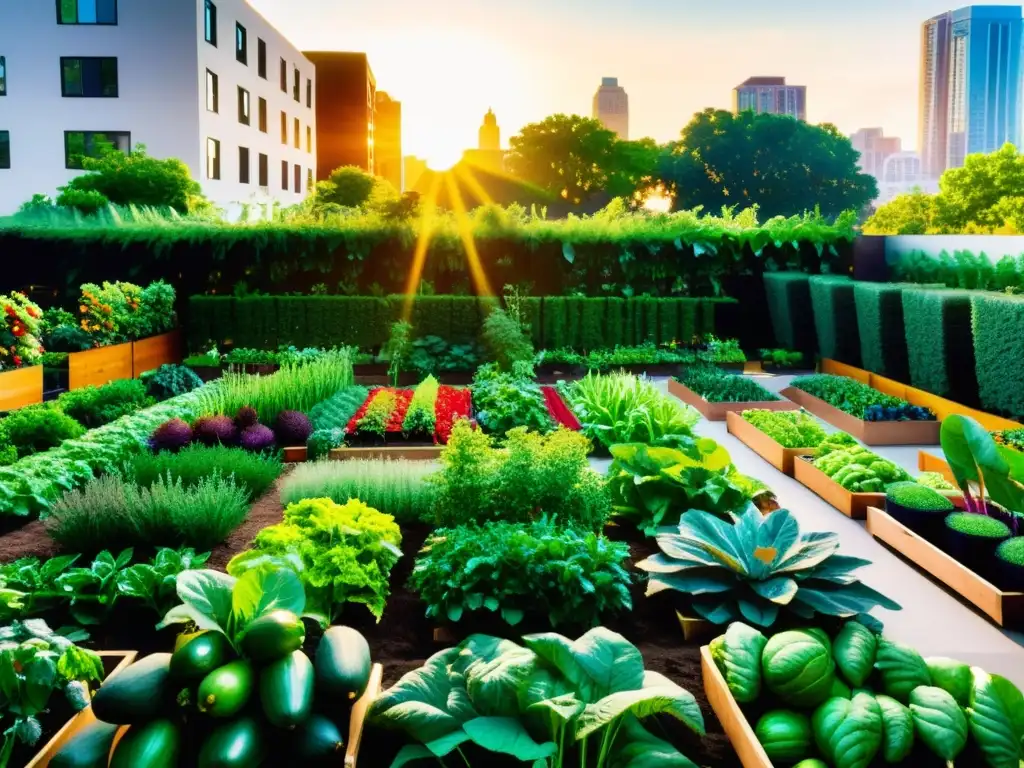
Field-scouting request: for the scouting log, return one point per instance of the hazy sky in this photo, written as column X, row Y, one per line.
column 447, row 61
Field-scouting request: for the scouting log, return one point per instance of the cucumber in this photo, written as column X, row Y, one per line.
column 226, row 690
column 342, row 664
column 153, row 745
column 236, row 744
column 136, row 694
column 90, row 748
column 200, row 655
column 273, row 636
column 318, row 742
column 286, row 690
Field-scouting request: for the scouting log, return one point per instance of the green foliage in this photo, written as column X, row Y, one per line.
column 419, row 416
column 111, row 513
column 725, row 566
column 940, row 344
column 859, row 470
column 503, row 400
column 963, row 269
column 330, row 418
column 835, row 317
column 737, row 654
column 849, row 731
column 348, row 187
column 432, row 355
column 343, row 553
column 935, row 480
column 914, row 496
column 789, row 304
column 718, row 386
column 504, row 341
column 781, row 358
column 170, row 381
column 397, row 349
column 911, row 213
column 790, row 429
column 96, row 406
column 1012, row 551
column 860, row 400
column 994, row 717
column 532, row 475
column 977, row 525
column 883, row 343
column 835, row 441
column 254, row 473
column 36, row 428
column 540, row 570
column 998, row 322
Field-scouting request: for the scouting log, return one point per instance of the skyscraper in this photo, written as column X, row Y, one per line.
column 489, row 153
column 770, row 95
column 388, row 139
column 874, row 147
column 490, row 133
column 933, row 106
column 345, row 111
column 611, row 107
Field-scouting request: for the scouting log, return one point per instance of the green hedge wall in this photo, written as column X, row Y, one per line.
column 940, row 347
column 789, row 305
column 265, row 322
column 835, row 317
column 883, row 341
column 998, row 323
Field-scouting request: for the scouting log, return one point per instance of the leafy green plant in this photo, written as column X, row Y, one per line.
column 96, row 406
column 935, row 480
column 914, row 496
column 718, row 386
column 860, row 400
column 432, row 355
column 790, row 429
column 504, row 340
column 981, row 467
column 1012, row 551
column 378, row 412
column 552, row 701
column 503, row 400
column 419, row 417
column 330, row 418
column 755, row 567
column 859, row 470
column 541, row 569
column 170, row 381
column 781, row 358
column 208, row 360
column 252, row 472
column 34, row 429
column 343, row 553
column 398, row 349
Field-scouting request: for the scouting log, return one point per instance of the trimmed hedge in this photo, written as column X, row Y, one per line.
column 998, row 323
column 940, row 346
column 883, row 340
column 789, row 305
column 835, row 317
column 266, row 322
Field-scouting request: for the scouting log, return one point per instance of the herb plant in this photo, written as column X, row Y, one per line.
column 859, row 470
column 718, row 386
column 96, row 406
column 790, row 429
column 419, row 418
column 253, row 472
column 506, row 400
column 860, row 400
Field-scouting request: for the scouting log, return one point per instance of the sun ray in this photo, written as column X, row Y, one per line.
column 465, row 227
column 419, row 257
column 465, row 174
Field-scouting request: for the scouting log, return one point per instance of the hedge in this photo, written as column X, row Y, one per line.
column 940, row 347
column 265, row 322
column 835, row 318
column 789, row 305
column 998, row 323
column 883, row 340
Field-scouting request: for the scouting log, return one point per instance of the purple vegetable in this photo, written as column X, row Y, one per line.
column 257, row 438
column 214, row 430
column 172, row 435
column 293, row 428
column 246, row 417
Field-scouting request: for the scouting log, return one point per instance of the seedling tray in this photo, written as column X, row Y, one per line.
column 868, row 432
column 851, row 504
column 764, row 446
column 717, row 411
column 728, row 712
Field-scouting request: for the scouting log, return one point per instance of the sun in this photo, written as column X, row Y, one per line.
column 441, row 157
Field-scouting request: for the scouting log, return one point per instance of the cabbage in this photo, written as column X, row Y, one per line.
column 737, row 655
column 798, row 668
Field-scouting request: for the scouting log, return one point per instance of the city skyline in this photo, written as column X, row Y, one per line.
column 531, row 61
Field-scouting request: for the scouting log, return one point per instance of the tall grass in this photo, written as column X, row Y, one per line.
column 253, row 472
column 397, row 488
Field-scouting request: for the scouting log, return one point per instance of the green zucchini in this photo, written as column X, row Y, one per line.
column 273, row 636
column 342, row 665
column 90, row 748
column 200, row 655
column 286, row 690
column 136, row 694
column 226, row 690
column 153, row 745
column 318, row 742
column 236, row 744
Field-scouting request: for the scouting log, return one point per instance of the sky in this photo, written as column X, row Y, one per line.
column 448, row 61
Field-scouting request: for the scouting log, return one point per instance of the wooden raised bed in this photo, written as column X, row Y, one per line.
column 768, row 449
column 99, row 366
column 410, row 452
column 357, row 720
column 155, row 351
column 727, row 710
column 1005, row 608
column 851, row 504
column 717, row 411
column 868, row 432
column 929, row 462
column 80, row 720
column 295, row 454
column 21, row 387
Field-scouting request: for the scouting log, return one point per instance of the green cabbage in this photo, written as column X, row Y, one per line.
column 897, row 729
column 996, row 718
column 902, row 669
column 939, row 721
column 849, row 732
column 798, row 668
column 737, row 655
column 785, row 735
column 854, row 652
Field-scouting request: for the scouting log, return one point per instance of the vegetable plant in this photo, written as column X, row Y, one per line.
column 860, row 400
column 37, row 428
column 419, row 418
column 718, row 386
column 96, row 406
column 504, row 400
column 331, row 417
column 755, row 567
column 170, row 380
column 252, row 472
column 859, row 470
column 20, row 328
column 432, row 355
column 781, row 358
column 790, row 429
column 551, row 701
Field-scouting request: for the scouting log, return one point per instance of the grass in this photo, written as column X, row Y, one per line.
column 252, row 472
column 977, row 525
column 397, row 488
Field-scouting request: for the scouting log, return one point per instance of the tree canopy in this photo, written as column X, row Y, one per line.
column 782, row 165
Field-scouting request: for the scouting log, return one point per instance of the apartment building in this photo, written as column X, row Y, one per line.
column 209, row 82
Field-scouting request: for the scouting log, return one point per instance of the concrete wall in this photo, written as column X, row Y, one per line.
column 994, row 246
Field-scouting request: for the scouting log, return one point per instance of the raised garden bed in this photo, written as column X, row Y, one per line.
column 929, row 462
column 1005, row 608
column 21, row 387
column 729, row 714
column 95, row 367
column 854, row 505
column 717, row 411
column 781, row 458
column 149, row 354
column 411, row 452
column 868, row 432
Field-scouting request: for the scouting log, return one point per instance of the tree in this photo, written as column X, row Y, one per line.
column 972, row 194
column 782, row 165
column 909, row 214
column 350, row 187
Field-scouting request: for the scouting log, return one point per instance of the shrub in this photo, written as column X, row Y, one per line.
column 790, row 429
column 170, row 381
column 111, row 513
column 215, row 430
column 835, row 318
column 540, row 570
column 246, row 417
column 717, row 386
column 256, row 438
column 37, row 428
column 96, row 406
column 981, row 526
column 940, row 344
column 789, row 305
column 883, row 342
column 20, row 329
column 1012, row 551
column 398, row 488
column 253, row 473
column 172, row 435
column 860, row 400
column 998, row 323
column 292, row 428
column 914, row 496
column 504, row 340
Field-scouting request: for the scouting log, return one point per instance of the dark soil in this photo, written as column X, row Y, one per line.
column 30, row 540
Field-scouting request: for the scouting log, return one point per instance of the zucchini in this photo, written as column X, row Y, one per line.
column 226, row 690
column 236, row 744
column 273, row 636
column 136, row 694
column 200, row 655
column 153, row 745
column 286, row 690
column 342, row 665
column 90, row 748
column 318, row 742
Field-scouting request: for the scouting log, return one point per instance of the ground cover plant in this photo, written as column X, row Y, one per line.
column 859, row 470
column 860, row 400
column 34, row 429
column 718, row 386
column 252, row 472
column 95, row 406
column 331, row 417
column 503, row 400
column 790, row 429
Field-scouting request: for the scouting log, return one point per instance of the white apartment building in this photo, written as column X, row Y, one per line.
column 209, row 82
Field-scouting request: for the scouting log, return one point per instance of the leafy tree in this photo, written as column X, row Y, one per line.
column 909, row 214
column 782, row 165
column 972, row 194
column 349, row 186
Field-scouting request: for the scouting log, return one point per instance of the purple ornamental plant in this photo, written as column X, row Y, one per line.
column 257, row 438
column 172, row 435
column 246, row 417
column 293, row 428
column 215, row 430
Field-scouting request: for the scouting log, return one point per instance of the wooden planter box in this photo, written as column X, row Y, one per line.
column 727, row 710
column 412, row 453
column 295, row 454
column 151, row 353
column 929, row 462
column 868, row 432
column 718, row 411
column 357, row 720
column 853, row 505
column 99, row 366
column 764, row 446
column 80, row 720
column 1005, row 608
column 21, row 387
column 697, row 630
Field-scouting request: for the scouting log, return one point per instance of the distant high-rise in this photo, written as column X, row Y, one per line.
column 413, row 168
column 611, row 107
column 933, row 106
column 345, row 111
column 490, row 133
column 388, row 139
column 770, row 95
column 874, row 147
column 489, row 153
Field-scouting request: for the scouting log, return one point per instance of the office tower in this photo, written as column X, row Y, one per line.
column 611, row 107
column 489, row 153
column 346, row 99
column 388, row 139
column 770, row 95
column 874, row 147
column 933, row 100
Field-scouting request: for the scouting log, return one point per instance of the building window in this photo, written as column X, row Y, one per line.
column 241, row 45
column 212, row 92
column 284, row 75
column 309, row 92
column 296, row 85
column 284, row 129
column 298, row 178
column 5, row 150
column 243, row 106
column 212, row 159
column 211, row 23
column 264, row 170
column 263, row 114
column 261, row 58
column 309, row 180
column 309, row 139
column 92, row 77
column 87, row 11
column 243, row 165
column 284, row 175
column 298, row 129
column 3, row 75
column 81, row 144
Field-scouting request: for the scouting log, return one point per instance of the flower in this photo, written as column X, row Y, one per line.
column 18, row 330
column 17, row 360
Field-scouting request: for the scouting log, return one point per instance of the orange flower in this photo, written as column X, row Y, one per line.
column 82, row 309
